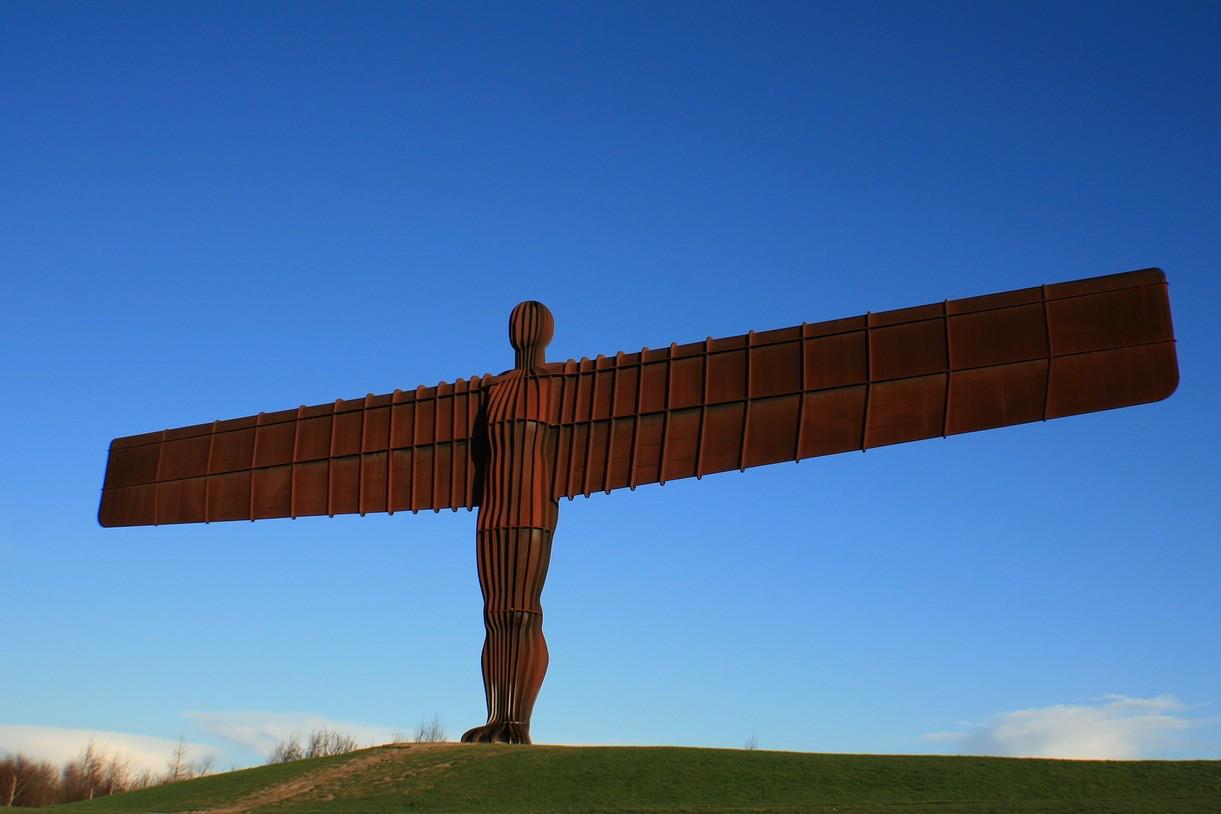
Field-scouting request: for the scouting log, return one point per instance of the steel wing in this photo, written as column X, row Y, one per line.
column 862, row 382
column 406, row 450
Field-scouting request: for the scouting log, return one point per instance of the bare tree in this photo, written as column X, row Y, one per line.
column 179, row 767
column 321, row 743
column 430, row 731
column 287, row 750
column 203, row 766
column 116, row 776
column 752, row 743
column 11, row 779
column 325, row 742
column 142, row 780
column 85, row 777
column 26, row 782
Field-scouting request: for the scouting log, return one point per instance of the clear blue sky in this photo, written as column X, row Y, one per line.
column 214, row 209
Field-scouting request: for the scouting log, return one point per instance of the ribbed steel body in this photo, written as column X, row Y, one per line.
column 514, row 444
column 517, row 518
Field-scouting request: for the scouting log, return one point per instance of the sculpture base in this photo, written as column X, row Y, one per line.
column 502, row 732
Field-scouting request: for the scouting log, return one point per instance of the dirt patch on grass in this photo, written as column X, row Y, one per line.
column 309, row 781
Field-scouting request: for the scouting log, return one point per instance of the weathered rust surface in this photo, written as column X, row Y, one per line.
column 514, row 444
column 862, row 382
column 403, row 451
column 517, row 518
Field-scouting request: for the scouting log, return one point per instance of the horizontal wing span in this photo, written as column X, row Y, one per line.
column 861, row 382
column 407, row 450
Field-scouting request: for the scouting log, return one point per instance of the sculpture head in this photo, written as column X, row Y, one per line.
column 531, row 327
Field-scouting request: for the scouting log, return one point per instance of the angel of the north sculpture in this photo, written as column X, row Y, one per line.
column 515, row 443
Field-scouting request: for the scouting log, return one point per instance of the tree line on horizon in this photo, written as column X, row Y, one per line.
column 27, row 782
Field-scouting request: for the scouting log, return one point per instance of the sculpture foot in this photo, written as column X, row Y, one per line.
column 498, row 732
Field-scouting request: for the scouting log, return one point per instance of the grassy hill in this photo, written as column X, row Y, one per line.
column 453, row 777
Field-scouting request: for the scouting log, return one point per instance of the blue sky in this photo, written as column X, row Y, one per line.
column 218, row 209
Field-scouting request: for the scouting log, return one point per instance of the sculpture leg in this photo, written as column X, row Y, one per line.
column 512, row 569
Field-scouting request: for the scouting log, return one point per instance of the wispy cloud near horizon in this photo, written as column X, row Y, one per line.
column 261, row 731
column 1112, row 727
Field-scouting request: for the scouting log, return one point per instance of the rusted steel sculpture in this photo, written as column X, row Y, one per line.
column 516, row 443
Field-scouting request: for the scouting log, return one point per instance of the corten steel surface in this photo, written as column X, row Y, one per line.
column 514, row 444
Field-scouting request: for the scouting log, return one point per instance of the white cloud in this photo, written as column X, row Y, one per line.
column 60, row 745
column 261, row 731
column 1114, row 727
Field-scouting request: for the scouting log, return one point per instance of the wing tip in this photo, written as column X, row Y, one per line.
column 1171, row 383
column 103, row 519
column 1156, row 274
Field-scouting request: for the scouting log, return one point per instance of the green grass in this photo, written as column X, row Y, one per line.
column 518, row 779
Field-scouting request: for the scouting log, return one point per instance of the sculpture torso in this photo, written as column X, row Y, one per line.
column 517, row 480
